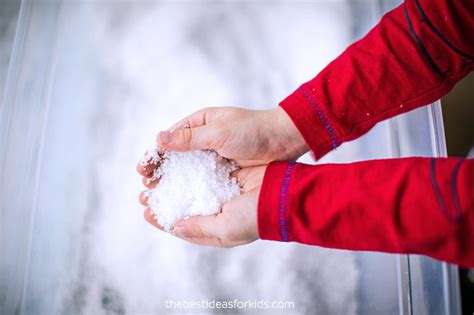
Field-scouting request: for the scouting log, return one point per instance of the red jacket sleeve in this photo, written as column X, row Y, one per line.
column 410, row 205
column 414, row 56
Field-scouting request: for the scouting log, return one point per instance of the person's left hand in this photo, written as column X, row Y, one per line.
column 235, row 225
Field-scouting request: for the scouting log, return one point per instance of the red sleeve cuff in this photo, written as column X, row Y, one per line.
column 268, row 215
column 311, row 121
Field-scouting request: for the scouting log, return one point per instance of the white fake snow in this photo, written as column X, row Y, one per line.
column 191, row 183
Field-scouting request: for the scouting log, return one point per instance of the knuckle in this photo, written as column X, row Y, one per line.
column 185, row 135
column 203, row 110
column 208, row 109
column 196, row 231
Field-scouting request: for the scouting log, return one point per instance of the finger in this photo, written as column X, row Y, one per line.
column 198, row 138
column 249, row 177
column 147, row 170
column 194, row 120
column 241, row 174
column 203, row 241
column 147, row 164
column 249, row 163
column 198, row 227
column 143, row 197
column 150, row 218
column 150, row 182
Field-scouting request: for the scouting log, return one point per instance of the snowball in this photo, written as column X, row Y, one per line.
column 191, row 183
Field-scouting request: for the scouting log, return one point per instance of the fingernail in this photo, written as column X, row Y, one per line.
column 165, row 137
column 179, row 231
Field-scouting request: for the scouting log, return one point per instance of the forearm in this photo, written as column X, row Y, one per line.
column 384, row 205
column 401, row 64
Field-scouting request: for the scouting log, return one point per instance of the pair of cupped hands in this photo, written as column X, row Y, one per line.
column 252, row 138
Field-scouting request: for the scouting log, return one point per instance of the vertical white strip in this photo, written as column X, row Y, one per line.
column 45, row 103
column 450, row 273
column 12, row 298
column 12, row 77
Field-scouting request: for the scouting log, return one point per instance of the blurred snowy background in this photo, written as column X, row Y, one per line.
column 94, row 83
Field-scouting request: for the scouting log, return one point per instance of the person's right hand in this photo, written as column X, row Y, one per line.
column 250, row 137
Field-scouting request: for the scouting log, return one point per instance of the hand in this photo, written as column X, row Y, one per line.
column 250, row 137
column 235, row 225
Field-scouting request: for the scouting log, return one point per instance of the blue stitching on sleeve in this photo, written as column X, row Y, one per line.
column 444, row 210
column 321, row 116
column 283, row 200
column 438, row 33
column 421, row 46
column 454, row 188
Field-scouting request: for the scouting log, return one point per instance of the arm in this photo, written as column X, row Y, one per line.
column 411, row 205
column 231, row 132
column 412, row 57
column 415, row 55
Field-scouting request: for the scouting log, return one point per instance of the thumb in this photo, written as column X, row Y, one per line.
column 187, row 139
column 197, row 227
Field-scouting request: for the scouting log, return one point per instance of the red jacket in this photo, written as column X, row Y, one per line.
column 413, row 57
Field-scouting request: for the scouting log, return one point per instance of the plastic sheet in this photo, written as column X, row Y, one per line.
column 88, row 85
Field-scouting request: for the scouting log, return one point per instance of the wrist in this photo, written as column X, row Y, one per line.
column 289, row 138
